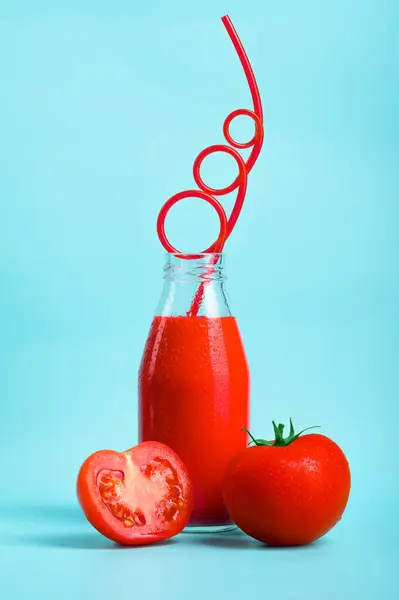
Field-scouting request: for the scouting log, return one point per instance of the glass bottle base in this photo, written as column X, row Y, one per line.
column 209, row 528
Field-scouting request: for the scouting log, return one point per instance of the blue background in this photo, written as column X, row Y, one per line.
column 103, row 108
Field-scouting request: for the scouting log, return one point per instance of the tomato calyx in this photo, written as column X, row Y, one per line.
column 279, row 439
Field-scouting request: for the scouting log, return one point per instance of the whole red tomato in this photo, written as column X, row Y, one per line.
column 290, row 491
column 140, row 496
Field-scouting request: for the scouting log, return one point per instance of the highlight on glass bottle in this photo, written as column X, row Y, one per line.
column 194, row 381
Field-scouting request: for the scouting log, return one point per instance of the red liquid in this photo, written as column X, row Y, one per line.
column 194, row 396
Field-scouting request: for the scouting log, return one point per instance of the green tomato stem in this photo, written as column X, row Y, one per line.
column 279, row 439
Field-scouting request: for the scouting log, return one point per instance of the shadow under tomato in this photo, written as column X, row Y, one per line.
column 239, row 540
column 45, row 512
column 81, row 541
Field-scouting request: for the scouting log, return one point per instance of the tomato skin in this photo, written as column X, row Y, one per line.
column 288, row 495
column 99, row 515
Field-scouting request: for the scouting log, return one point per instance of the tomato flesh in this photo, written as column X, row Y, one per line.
column 139, row 496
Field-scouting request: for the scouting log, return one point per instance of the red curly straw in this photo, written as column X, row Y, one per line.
column 244, row 167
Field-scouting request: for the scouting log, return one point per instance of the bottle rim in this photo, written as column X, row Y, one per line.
column 199, row 255
column 204, row 266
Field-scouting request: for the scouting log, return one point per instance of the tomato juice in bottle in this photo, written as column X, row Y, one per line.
column 194, row 381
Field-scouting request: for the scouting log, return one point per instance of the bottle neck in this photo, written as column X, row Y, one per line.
column 197, row 283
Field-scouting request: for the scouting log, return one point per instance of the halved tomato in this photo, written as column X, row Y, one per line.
column 140, row 496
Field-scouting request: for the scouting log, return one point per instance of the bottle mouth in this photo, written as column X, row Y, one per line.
column 200, row 267
column 199, row 256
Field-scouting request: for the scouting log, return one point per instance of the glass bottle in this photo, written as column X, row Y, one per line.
column 194, row 381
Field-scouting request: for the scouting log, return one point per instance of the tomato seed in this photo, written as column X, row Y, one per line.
column 128, row 523
column 104, row 488
column 107, row 495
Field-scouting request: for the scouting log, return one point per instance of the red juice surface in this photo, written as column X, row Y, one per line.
column 194, row 397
